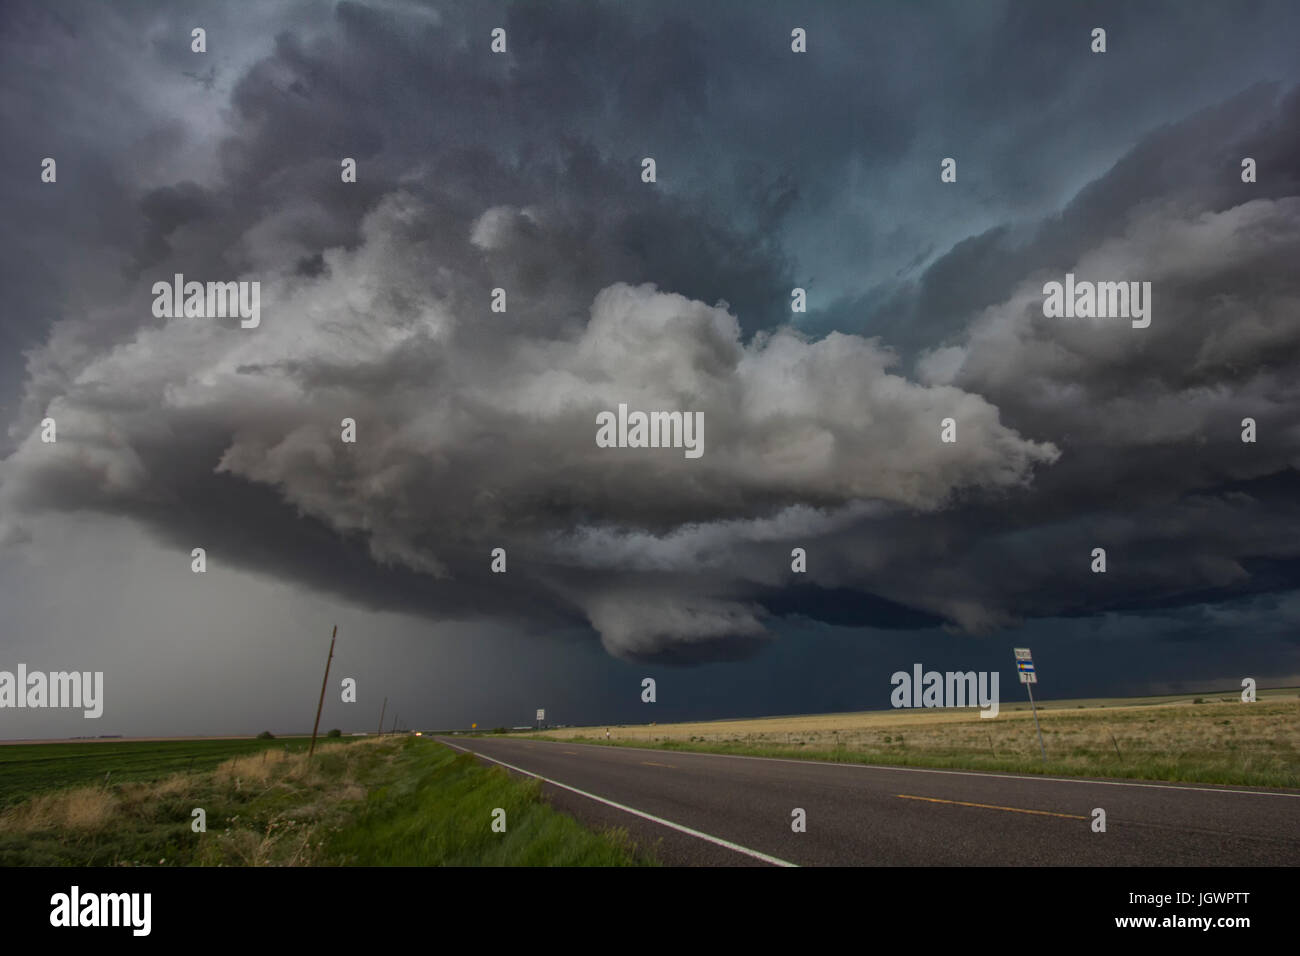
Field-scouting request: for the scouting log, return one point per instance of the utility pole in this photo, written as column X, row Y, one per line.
column 320, row 704
column 381, row 717
column 394, row 730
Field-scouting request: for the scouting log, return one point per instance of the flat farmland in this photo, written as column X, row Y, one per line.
column 1211, row 737
column 393, row 801
column 30, row 768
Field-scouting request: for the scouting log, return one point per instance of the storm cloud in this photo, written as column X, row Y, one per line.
column 522, row 172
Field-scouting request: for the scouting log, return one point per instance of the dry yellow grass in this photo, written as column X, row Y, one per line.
column 84, row 808
column 352, row 791
column 280, row 767
column 1219, row 732
column 255, row 768
column 950, row 724
column 177, row 784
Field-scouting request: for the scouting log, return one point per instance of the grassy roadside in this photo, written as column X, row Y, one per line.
column 393, row 801
column 439, row 809
column 1197, row 740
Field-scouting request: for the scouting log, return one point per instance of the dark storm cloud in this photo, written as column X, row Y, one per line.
column 1149, row 423
column 1193, row 163
column 522, row 172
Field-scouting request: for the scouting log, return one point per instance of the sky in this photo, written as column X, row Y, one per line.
column 522, row 170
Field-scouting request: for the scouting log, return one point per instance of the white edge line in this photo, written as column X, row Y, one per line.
column 958, row 773
column 775, row 861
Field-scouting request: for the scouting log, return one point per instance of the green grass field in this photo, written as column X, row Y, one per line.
column 27, row 769
column 374, row 801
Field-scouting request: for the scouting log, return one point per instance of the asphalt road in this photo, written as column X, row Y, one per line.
column 712, row 810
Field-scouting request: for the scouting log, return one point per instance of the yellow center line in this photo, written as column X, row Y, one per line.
column 574, row 752
column 991, row 806
column 651, row 763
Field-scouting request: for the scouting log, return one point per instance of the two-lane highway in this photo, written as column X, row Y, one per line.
column 714, row 809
